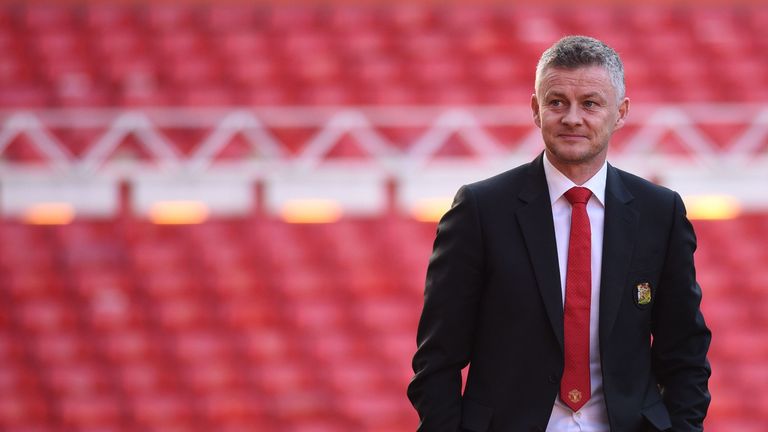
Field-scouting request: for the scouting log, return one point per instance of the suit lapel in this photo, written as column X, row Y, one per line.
column 535, row 219
column 620, row 234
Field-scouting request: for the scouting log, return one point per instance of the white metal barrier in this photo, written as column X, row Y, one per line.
column 698, row 149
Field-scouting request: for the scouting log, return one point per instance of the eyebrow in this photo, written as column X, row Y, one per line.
column 589, row 95
column 554, row 93
column 593, row 95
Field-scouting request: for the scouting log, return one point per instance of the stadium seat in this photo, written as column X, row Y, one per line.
column 166, row 409
column 24, row 410
column 128, row 346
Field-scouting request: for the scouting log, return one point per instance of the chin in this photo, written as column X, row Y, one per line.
column 575, row 156
column 570, row 152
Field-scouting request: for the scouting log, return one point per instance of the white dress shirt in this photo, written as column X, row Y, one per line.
column 593, row 416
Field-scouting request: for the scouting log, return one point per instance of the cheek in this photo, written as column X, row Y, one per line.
column 602, row 125
column 549, row 120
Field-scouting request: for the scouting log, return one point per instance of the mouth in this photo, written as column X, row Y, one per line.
column 572, row 136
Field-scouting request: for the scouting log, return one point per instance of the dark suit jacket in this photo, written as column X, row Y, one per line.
column 493, row 300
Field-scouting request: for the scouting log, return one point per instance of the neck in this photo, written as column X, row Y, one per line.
column 577, row 172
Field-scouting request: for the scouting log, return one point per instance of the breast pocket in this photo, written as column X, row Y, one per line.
column 642, row 289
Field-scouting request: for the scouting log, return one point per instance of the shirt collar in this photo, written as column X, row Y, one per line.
column 558, row 183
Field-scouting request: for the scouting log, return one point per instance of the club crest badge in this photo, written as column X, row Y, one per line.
column 643, row 294
column 574, row 396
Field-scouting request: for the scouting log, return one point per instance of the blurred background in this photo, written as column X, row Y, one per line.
column 218, row 215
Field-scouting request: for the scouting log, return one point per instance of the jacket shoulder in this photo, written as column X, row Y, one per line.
column 643, row 189
column 504, row 184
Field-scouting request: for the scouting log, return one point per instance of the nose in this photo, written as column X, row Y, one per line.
column 572, row 117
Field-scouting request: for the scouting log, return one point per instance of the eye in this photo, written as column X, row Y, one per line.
column 555, row 102
column 590, row 104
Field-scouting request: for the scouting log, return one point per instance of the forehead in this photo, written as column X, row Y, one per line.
column 589, row 79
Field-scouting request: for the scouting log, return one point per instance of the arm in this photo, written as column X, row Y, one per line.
column 446, row 329
column 680, row 336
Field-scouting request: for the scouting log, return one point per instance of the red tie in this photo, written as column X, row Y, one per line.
column 575, row 386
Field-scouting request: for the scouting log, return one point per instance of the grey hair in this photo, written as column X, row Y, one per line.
column 572, row 52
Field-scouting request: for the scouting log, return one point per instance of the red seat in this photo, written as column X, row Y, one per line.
column 391, row 93
column 405, row 16
column 13, row 67
column 319, row 316
column 119, row 43
column 128, row 345
column 181, row 314
column 24, row 410
column 353, row 18
column 268, row 344
column 376, row 410
column 200, row 344
column 247, row 306
column 76, row 379
column 225, row 17
column 439, row 71
column 214, row 375
column 49, row 315
column 326, row 95
column 397, row 347
column 321, row 424
column 389, row 314
column 740, row 344
column 365, row 42
column 253, row 70
column 229, row 409
column 16, row 376
column 144, row 377
column 187, row 69
column 299, row 17
column 161, row 410
column 356, row 377
column 106, row 16
column 76, row 88
column 335, row 347
column 284, row 377
column 170, row 282
column 60, row 346
column 427, row 44
column 169, row 16
column 45, row 17
column 112, row 309
column 269, row 94
column 30, row 283
column 377, row 69
column 24, row 95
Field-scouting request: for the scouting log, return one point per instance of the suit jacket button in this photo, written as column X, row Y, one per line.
column 553, row 379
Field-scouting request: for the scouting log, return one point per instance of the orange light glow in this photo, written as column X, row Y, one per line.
column 430, row 209
column 712, row 207
column 311, row 211
column 52, row 213
column 178, row 212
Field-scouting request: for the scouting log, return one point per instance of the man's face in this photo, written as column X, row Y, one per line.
column 577, row 111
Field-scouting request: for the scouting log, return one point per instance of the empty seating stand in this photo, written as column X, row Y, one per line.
column 209, row 54
column 130, row 326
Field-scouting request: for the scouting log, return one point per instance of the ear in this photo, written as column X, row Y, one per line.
column 535, row 109
column 623, row 112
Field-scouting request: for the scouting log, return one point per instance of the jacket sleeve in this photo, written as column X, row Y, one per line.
column 446, row 328
column 680, row 335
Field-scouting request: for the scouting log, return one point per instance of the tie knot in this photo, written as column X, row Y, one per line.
column 578, row 195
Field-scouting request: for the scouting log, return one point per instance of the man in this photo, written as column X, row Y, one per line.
column 567, row 285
